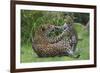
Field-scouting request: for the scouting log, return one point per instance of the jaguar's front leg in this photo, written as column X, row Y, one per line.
column 72, row 53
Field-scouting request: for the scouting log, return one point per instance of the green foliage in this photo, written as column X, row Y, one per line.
column 82, row 18
column 31, row 20
column 83, row 41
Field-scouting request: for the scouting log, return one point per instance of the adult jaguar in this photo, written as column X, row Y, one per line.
column 64, row 43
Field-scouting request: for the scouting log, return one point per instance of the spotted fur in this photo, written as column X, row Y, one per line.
column 63, row 44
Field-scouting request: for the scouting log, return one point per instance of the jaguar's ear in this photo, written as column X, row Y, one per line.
column 42, row 28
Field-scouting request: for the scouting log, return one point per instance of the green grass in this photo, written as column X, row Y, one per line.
column 28, row 55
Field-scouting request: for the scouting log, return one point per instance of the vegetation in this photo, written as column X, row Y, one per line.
column 31, row 20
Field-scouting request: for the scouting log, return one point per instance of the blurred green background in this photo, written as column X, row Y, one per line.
column 31, row 20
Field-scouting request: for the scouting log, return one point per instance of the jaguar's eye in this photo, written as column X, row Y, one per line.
column 49, row 26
